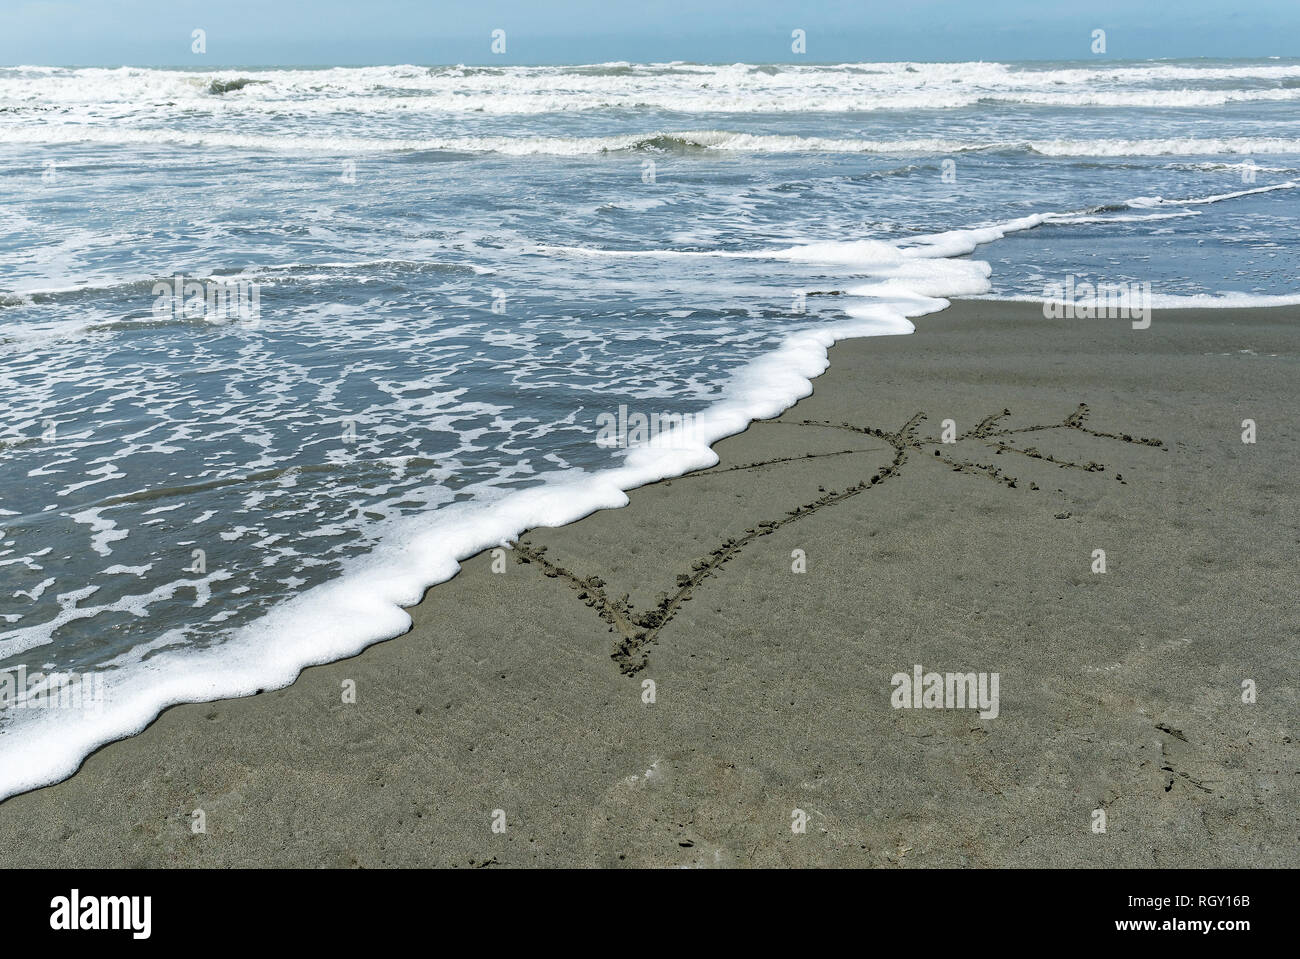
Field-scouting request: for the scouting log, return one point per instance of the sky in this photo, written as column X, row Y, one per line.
column 353, row 32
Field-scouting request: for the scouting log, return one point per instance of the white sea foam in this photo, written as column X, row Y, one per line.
column 878, row 258
column 720, row 140
column 1141, row 202
column 688, row 88
column 1167, row 146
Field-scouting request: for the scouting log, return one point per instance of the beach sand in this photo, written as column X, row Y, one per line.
column 1120, row 691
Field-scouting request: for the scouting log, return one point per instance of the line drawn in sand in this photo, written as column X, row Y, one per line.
column 636, row 632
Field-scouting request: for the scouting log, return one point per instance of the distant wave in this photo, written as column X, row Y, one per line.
column 663, row 141
column 229, row 86
column 950, row 243
column 677, row 87
column 139, row 286
column 240, row 96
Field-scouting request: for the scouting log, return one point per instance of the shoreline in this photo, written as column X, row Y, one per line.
column 537, row 657
column 373, row 597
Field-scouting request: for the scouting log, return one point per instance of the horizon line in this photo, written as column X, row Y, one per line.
column 607, row 63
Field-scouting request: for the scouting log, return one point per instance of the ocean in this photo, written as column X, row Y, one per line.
column 279, row 347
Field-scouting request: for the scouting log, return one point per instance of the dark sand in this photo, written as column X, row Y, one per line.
column 1119, row 691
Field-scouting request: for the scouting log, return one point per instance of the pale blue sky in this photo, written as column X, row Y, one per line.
column 296, row 32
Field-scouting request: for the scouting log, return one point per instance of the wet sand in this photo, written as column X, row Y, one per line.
column 519, row 696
